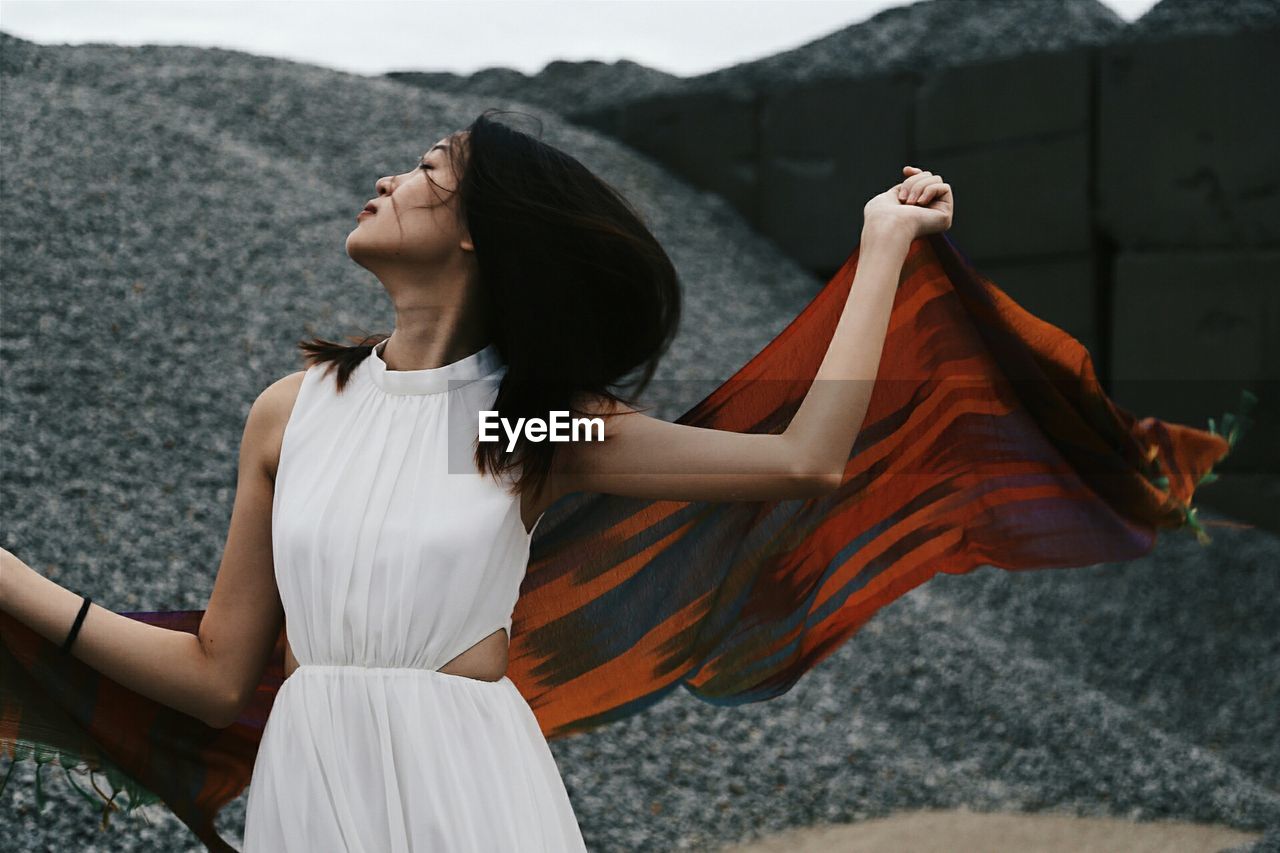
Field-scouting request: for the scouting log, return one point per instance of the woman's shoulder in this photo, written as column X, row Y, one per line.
column 264, row 431
column 278, row 397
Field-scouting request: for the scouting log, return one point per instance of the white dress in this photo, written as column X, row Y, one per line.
column 393, row 556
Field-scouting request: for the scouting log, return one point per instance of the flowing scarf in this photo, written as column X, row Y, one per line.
column 988, row 441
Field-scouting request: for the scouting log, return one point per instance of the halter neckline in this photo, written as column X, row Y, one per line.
column 433, row 380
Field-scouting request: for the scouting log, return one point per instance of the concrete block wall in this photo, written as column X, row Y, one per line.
column 1190, row 132
column 1014, row 139
column 1016, row 135
column 825, row 149
column 1188, row 192
column 1129, row 194
column 707, row 139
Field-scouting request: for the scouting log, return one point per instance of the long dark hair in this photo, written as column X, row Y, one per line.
column 575, row 291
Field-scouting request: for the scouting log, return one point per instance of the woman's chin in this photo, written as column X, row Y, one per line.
column 364, row 255
column 354, row 246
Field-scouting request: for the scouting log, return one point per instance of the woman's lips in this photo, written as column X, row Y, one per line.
column 363, row 212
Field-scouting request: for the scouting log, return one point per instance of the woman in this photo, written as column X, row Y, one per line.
column 390, row 545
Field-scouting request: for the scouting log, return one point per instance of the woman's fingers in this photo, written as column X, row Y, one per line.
column 920, row 187
column 905, row 187
column 933, row 191
column 917, row 191
column 911, row 182
column 913, row 186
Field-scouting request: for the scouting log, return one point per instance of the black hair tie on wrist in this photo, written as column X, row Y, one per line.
column 75, row 628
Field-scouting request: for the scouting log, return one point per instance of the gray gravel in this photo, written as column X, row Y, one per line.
column 927, row 35
column 173, row 222
column 911, row 37
column 585, row 85
column 918, row 36
column 1194, row 17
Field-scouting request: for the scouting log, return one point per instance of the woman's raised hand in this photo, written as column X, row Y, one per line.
column 922, row 204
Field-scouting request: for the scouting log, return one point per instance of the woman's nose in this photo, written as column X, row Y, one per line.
column 383, row 185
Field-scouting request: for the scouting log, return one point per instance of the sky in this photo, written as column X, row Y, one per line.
column 682, row 37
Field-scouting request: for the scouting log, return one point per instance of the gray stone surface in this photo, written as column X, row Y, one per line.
column 586, row 85
column 902, row 38
column 1185, row 17
column 919, row 37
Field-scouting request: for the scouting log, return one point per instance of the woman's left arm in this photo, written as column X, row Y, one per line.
column 646, row 457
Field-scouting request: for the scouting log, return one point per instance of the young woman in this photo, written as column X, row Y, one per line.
column 352, row 664
column 391, row 545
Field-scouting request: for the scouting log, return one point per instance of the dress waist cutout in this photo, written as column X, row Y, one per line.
column 349, row 670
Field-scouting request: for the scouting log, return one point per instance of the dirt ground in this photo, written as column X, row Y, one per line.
column 978, row 832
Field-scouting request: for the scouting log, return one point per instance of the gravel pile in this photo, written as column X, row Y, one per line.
column 924, row 36
column 918, row 37
column 587, row 85
column 1188, row 17
column 173, row 223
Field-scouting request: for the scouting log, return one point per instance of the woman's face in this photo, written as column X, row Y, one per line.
column 415, row 223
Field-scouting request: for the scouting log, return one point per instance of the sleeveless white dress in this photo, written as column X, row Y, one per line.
column 393, row 555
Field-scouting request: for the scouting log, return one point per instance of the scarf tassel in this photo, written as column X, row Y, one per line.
column 124, row 795
column 1234, row 427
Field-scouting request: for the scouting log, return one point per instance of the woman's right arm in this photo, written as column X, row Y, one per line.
column 212, row 674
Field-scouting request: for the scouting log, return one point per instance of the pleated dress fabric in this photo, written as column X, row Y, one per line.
column 393, row 555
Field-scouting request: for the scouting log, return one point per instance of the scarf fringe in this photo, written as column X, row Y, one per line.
column 135, row 796
column 1234, row 427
